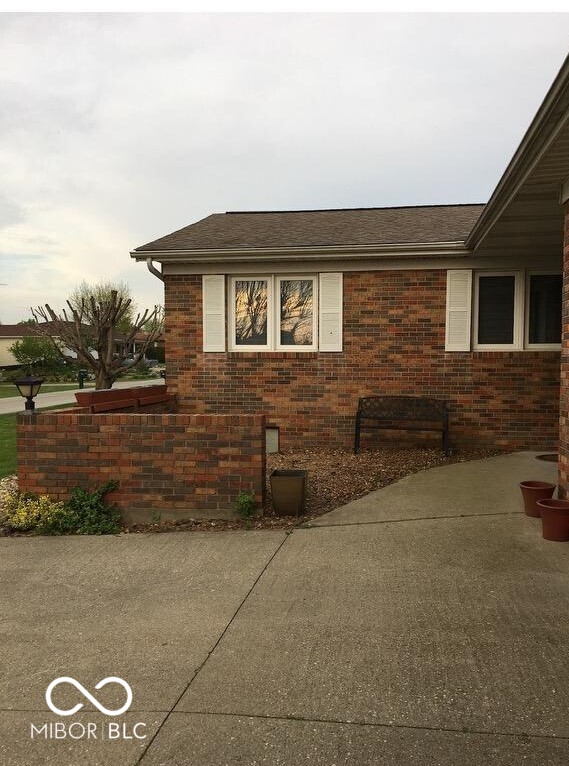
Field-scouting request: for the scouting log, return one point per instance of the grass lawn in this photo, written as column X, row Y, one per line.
column 7, row 445
column 8, row 440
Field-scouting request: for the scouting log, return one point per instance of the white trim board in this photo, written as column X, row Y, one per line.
column 346, row 266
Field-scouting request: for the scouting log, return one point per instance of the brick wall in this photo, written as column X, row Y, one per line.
column 394, row 328
column 178, row 465
column 564, row 397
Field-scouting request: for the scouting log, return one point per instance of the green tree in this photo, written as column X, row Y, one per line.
column 80, row 299
column 37, row 353
column 100, row 326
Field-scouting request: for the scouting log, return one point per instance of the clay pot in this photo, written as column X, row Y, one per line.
column 532, row 491
column 555, row 519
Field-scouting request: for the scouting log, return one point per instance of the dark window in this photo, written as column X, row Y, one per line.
column 545, row 308
column 496, row 309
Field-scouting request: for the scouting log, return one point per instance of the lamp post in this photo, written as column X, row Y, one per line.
column 29, row 388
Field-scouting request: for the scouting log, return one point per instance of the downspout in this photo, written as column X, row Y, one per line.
column 153, row 270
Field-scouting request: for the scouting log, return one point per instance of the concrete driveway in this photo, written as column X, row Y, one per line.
column 427, row 625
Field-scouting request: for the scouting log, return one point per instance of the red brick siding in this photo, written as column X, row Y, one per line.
column 176, row 465
column 564, row 397
column 394, row 329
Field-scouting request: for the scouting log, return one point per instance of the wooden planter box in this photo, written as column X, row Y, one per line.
column 288, row 489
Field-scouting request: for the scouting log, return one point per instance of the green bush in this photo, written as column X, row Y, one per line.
column 85, row 513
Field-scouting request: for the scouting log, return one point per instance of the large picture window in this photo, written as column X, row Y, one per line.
column 276, row 312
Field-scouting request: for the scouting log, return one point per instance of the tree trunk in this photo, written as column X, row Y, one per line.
column 103, row 379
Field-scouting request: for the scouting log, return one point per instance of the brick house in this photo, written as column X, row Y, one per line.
column 297, row 314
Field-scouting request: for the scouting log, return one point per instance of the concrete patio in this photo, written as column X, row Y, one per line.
column 424, row 624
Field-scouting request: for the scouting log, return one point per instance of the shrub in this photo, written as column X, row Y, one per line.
column 23, row 513
column 85, row 513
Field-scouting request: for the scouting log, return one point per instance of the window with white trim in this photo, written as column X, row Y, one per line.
column 297, row 312
column 503, row 310
column 296, row 301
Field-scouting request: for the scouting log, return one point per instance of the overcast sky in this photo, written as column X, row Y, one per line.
column 117, row 129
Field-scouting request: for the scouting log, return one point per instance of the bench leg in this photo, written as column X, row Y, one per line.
column 357, row 437
column 446, row 445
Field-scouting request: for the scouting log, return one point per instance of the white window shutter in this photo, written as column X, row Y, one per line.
column 330, row 324
column 459, row 309
column 213, row 286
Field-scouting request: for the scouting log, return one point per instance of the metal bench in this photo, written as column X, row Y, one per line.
column 402, row 413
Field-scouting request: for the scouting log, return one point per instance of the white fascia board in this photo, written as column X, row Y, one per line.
column 276, row 266
column 350, row 252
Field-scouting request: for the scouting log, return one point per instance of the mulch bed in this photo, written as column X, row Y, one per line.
column 335, row 477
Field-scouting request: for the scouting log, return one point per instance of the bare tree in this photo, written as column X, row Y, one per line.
column 89, row 328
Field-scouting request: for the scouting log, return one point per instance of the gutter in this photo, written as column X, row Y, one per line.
column 153, row 270
column 405, row 250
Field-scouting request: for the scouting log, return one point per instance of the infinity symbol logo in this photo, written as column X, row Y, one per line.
column 85, row 693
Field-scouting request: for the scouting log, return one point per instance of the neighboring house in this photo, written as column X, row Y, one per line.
column 10, row 334
column 298, row 314
column 155, row 350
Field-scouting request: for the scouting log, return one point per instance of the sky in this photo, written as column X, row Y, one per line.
column 116, row 129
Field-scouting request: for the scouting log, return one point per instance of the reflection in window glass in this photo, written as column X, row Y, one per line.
column 251, row 304
column 296, row 312
column 545, row 308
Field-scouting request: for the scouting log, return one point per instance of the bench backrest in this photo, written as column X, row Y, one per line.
column 401, row 408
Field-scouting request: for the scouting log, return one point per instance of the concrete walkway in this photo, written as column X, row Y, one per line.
column 13, row 404
column 426, row 625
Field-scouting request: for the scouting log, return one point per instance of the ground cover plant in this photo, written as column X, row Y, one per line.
column 84, row 513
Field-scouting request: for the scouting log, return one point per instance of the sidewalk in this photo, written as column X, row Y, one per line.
column 45, row 399
column 375, row 637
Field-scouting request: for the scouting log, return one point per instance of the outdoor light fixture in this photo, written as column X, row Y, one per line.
column 29, row 388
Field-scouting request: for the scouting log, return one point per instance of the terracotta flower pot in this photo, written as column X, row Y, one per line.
column 555, row 519
column 532, row 491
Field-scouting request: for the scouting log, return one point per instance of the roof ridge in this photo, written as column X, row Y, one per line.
column 349, row 209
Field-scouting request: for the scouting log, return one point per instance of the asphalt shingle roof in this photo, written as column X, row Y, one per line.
column 313, row 228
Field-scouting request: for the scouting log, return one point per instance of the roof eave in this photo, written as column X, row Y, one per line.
column 403, row 250
column 515, row 174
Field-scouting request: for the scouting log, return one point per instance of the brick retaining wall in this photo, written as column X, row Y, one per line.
column 175, row 465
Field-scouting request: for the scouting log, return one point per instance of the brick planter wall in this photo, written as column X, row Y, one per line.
column 564, row 397
column 394, row 328
column 177, row 465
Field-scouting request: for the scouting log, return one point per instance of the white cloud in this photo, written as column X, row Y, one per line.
column 116, row 129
